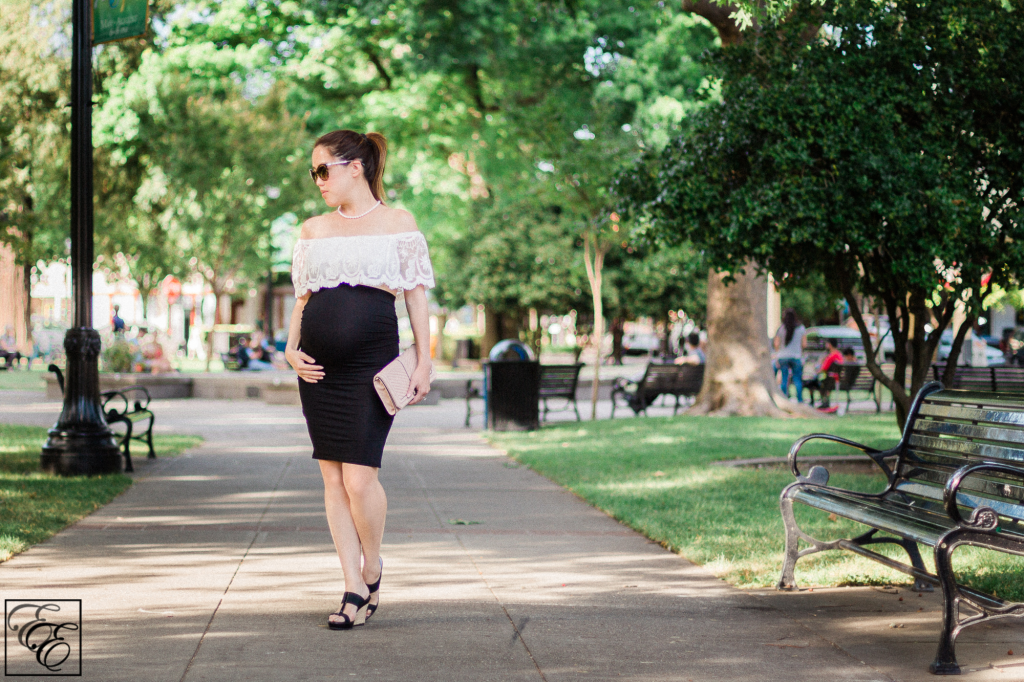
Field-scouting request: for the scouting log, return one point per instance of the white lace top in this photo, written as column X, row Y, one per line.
column 397, row 261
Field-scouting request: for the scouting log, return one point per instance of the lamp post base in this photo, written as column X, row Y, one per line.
column 80, row 453
column 81, row 443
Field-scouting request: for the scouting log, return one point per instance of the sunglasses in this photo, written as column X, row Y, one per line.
column 322, row 172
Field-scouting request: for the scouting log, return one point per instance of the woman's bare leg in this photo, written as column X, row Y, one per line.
column 368, row 505
column 343, row 531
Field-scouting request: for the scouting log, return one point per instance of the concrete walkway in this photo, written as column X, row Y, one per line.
column 217, row 565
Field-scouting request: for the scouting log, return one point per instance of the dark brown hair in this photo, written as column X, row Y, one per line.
column 790, row 322
column 371, row 150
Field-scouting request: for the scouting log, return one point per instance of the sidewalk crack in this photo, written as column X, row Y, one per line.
column 517, row 630
column 255, row 536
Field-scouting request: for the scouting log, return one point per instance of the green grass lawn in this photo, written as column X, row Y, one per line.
column 654, row 474
column 34, row 505
column 23, row 379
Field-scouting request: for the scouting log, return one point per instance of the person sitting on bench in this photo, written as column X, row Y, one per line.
column 9, row 348
column 694, row 355
column 828, row 375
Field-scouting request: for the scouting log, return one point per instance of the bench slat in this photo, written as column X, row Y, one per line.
column 918, row 523
column 968, row 450
column 974, row 431
column 954, row 396
column 997, row 489
column 987, row 416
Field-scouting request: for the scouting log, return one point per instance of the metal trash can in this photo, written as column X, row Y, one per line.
column 512, row 388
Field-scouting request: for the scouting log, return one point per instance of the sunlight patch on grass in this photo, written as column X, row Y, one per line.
column 34, row 506
column 653, row 475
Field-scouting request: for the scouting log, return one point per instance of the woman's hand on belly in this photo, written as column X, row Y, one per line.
column 304, row 366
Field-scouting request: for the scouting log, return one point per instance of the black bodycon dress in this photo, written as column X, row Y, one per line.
column 353, row 332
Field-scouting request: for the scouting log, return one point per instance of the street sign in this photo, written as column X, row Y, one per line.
column 118, row 20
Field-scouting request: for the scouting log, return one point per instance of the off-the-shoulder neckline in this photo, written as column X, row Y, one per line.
column 353, row 236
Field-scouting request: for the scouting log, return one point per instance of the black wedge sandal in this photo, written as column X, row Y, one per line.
column 349, row 623
column 374, row 588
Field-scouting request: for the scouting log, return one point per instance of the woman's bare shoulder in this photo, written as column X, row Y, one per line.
column 400, row 220
column 314, row 227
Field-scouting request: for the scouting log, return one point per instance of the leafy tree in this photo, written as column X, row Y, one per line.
column 880, row 152
column 34, row 119
column 656, row 280
column 220, row 167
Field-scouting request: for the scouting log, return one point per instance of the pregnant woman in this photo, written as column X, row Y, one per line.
column 348, row 267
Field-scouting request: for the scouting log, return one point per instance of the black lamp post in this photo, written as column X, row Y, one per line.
column 81, row 442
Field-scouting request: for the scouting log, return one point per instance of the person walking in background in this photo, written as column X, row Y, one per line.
column 347, row 268
column 116, row 322
column 9, row 348
column 790, row 341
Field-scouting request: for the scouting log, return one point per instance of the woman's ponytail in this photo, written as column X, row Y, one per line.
column 380, row 151
column 371, row 149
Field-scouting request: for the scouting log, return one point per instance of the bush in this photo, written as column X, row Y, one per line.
column 120, row 356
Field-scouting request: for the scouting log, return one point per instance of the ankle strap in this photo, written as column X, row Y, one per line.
column 353, row 598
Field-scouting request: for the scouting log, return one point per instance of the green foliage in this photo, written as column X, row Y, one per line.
column 654, row 475
column 34, row 119
column 218, row 164
column 652, row 281
column 120, row 356
column 35, row 506
column 811, row 297
column 872, row 144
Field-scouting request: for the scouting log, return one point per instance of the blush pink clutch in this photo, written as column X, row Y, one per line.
column 392, row 382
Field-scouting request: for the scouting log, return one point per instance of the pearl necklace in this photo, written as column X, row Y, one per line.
column 354, row 217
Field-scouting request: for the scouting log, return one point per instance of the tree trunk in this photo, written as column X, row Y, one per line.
column 144, row 294
column 268, row 308
column 593, row 260
column 738, row 378
column 26, row 283
column 209, row 335
column 492, row 332
column 618, row 330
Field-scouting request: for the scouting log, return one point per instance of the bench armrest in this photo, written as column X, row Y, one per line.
column 877, row 456
column 123, row 394
column 621, row 383
column 982, row 518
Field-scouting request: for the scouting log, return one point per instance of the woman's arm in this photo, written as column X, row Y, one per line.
column 304, row 365
column 416, row 304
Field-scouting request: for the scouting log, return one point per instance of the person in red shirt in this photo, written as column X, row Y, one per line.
column 828, row 375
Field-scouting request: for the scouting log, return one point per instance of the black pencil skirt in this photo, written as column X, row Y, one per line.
column 353, row 332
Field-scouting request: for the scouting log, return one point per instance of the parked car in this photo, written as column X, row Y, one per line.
column 847, row 338
column 640, row 344
column 994, row 356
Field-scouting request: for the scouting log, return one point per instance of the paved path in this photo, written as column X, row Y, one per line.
column 217, row 565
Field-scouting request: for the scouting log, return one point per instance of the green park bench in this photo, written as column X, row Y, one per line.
column 955, row 478
column 126, row 406
column 679, row 381
column 556, row 381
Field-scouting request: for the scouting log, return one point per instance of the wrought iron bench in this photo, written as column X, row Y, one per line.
column 1000, row 378
column 556, row 381
column 855, row 378
column 119, row 408
column 230, row 361
column 559, row 381
column 1008, row 379
column 970, row 378
column 676, row 380
column 130, row 406
column 955, row 478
